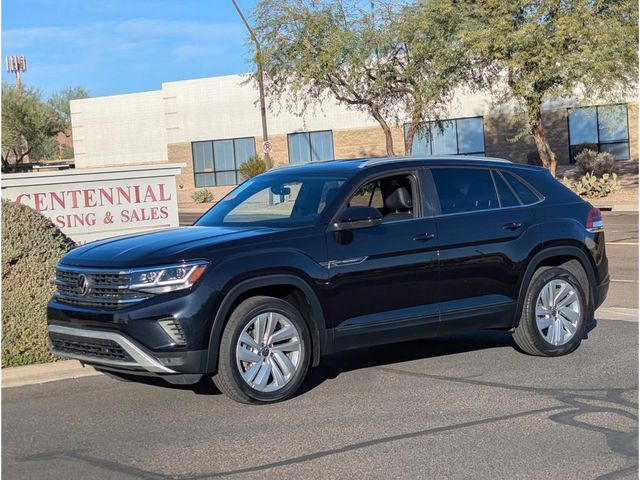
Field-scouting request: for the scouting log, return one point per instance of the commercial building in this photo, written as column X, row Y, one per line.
column 213, row 125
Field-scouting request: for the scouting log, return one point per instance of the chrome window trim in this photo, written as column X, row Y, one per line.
column 487, row 209
column 141, row 357
column 541, row 198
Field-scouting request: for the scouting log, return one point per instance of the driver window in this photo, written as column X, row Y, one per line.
column 392, row 196
column 369, row 195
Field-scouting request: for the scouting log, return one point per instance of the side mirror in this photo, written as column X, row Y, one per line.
column 353, row 218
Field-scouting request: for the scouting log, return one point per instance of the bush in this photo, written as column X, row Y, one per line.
column 591, row 186
column 253, row 166
column 31, row 249
column 202, row 195
column 533, row 158
column 598, row 164
column 578, row 149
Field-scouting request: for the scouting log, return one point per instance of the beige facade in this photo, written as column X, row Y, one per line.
column 501, row 130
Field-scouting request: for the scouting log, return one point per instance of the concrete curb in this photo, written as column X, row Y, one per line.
column 191, row 211
column 44, row 372
column 623, row 207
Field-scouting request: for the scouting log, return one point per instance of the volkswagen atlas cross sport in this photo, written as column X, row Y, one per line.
column 303, row 261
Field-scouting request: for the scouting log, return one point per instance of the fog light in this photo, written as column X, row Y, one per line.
column 174, row 330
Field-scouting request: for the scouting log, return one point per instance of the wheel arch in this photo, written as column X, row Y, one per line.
column 561, row 255
column 288, row 287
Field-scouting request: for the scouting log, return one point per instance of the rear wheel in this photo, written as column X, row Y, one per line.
column 553, row 315
column 264, row 352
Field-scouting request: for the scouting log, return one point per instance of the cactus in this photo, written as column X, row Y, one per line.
column 591, row 186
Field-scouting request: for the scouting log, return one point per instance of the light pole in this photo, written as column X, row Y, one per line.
column 263, row 108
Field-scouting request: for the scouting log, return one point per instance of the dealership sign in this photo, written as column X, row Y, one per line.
column 91, row 204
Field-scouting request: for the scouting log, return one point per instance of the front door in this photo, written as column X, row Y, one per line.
column 383, row 280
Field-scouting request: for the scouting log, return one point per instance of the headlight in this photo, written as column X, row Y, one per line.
column 168, row 278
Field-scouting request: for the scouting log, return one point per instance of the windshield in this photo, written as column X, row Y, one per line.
column 279, row 201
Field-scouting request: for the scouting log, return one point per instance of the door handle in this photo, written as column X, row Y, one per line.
column 512, row 226
column 424, row 237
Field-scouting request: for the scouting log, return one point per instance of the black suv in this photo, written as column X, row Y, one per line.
column 303, row 261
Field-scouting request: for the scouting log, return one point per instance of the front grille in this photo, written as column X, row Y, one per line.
column 103, row 290
column 88, row 347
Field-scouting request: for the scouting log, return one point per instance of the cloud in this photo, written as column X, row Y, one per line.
column 160, row 49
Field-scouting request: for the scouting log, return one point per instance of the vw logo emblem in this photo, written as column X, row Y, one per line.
column 83, row 284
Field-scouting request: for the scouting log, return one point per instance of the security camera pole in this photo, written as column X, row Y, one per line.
column 266, row 145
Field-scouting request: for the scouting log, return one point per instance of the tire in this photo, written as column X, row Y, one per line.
column 241, row 357
column 556, row 339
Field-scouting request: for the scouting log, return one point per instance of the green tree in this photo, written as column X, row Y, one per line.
column 29, row 127
column 59, row 102
column 365, row 55
column 549, row 49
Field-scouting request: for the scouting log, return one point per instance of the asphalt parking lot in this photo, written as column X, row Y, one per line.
column 464, row 406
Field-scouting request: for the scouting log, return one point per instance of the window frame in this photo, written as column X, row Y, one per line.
column 455, row 120
column 572, row 159
column 434, row 197
column 308, row 134
column 214, row 171
column 416, row 179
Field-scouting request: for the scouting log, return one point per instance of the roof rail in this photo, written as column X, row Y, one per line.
column 383, row 161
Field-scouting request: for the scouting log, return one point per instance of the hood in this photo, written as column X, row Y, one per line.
column 157, row 248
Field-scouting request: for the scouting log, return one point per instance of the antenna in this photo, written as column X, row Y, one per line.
column 16, row 64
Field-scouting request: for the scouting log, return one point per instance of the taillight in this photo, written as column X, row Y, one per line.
column 594, row 220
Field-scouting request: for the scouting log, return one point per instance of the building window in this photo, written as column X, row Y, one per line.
column 605, row 128
column 462, row 136
column 216, row 162
column 310, row 146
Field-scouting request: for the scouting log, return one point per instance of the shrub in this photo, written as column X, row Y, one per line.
column 253, row 166
column 578, row 149
column 533, row 158
column 202, row 195
column 589, row 161
column 31, row 249
column 591, row 186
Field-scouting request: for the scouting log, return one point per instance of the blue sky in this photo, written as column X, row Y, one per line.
column 122, row 46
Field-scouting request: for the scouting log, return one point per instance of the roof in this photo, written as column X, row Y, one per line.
column 351, row 166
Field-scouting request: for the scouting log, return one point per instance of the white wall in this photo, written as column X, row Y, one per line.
column 227, row 107
column 119, row 130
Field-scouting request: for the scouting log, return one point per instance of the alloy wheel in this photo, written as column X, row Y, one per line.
column 268, row 352
column 558, row 312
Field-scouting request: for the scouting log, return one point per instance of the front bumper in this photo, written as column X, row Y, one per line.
column 116, row 352
column 68, row 342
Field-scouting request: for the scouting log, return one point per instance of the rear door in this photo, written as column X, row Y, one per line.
column 383, row 280
column 482, row 225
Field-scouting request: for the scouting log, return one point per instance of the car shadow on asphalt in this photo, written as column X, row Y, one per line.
column 331, row 366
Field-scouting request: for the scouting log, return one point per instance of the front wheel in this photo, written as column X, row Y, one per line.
column 553, row 314
column 264, row 352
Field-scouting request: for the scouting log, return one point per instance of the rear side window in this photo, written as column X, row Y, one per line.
column 523, row 191
column 507, row 197
column 464, row 189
